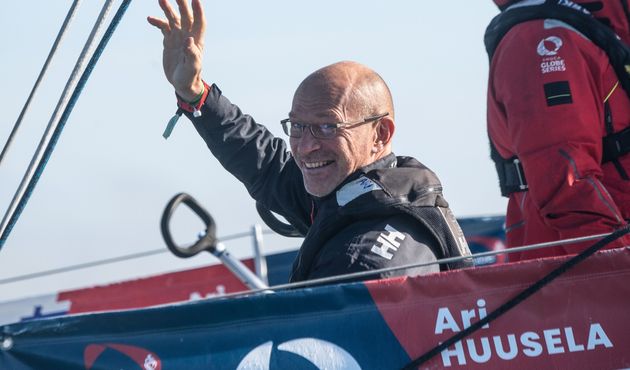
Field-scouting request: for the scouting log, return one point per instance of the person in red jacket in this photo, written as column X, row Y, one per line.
column 553, row 96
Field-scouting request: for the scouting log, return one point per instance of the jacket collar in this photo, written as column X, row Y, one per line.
column 388, row 161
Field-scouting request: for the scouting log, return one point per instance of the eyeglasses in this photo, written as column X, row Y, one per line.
column 324, row 130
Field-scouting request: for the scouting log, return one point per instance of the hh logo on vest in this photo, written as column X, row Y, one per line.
column 387, row 243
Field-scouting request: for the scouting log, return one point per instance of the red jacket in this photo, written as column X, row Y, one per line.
column 547, row 90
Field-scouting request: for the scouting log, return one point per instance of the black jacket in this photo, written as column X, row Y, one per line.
column 389, row 213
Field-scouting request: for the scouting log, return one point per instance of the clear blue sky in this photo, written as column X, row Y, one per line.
column 104, row 189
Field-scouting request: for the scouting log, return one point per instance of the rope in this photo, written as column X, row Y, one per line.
column 49, row 140
column 52, row 52
column 107, row 261
column 326, row 280
column 519, row 297
column 361, row 275
column 80, row 266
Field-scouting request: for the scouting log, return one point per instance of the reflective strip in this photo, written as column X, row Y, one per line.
column 455, row 230
column 611, row 92
column 604, row 198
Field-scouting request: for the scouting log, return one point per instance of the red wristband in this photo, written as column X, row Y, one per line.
column 193, row 107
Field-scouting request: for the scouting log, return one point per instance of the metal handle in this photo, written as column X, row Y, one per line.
column 207, row 242
column 238, row 268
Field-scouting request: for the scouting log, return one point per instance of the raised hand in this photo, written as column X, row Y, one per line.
column 183, row 45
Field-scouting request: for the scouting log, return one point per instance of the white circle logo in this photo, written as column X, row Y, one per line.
column 549, row 46
column 322, row 354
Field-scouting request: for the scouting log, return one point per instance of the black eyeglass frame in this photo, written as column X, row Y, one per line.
column 286, row 126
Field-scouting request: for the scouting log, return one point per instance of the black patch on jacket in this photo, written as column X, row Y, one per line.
column 558, row 93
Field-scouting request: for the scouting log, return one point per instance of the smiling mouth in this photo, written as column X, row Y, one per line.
column 315, row 165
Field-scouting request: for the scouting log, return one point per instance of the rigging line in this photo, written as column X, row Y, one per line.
column 80, row 266
column 326, row 280
column 53, row 50
column 107, row 261
column 53, row 131
column 363, row 274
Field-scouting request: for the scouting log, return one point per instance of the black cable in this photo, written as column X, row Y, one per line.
column 33, row 275
column 519, row 297
column 80, row 266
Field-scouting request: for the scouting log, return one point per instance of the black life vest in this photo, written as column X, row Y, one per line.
column 510, row 171
column 424, row 203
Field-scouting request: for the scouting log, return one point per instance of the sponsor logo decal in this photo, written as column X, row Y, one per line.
column 320, row 353
column 555, row 64
column 549, row 46
column 151, row 363
column 548, row 49
column 572, row 5
column 219, row 291
column 387, row 242
column 145, row 359
column 482, row 349
column 354, row 189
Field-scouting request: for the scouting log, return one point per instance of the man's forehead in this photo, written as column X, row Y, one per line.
column 316, row 111
column 328, row 116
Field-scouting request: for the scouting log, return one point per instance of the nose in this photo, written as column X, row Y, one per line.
column 307, row 143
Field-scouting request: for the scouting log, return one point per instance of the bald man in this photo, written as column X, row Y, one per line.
column 359, row 206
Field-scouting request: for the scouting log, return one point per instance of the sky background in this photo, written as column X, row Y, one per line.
column 104, row 189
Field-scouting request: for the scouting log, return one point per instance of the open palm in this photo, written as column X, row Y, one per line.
column 183, row 45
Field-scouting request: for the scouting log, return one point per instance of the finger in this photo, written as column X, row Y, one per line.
column 185, row 14
column 162, row 24
column 199, row 25
column 169, row 12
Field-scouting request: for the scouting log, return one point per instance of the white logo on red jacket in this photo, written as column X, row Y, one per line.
column 551, row 61
column 549, row 46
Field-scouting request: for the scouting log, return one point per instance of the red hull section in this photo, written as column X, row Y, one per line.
column 578, row 321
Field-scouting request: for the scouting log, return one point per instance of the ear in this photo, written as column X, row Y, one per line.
column 384, row 132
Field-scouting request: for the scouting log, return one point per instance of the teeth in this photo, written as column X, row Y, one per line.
column 315, row 164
